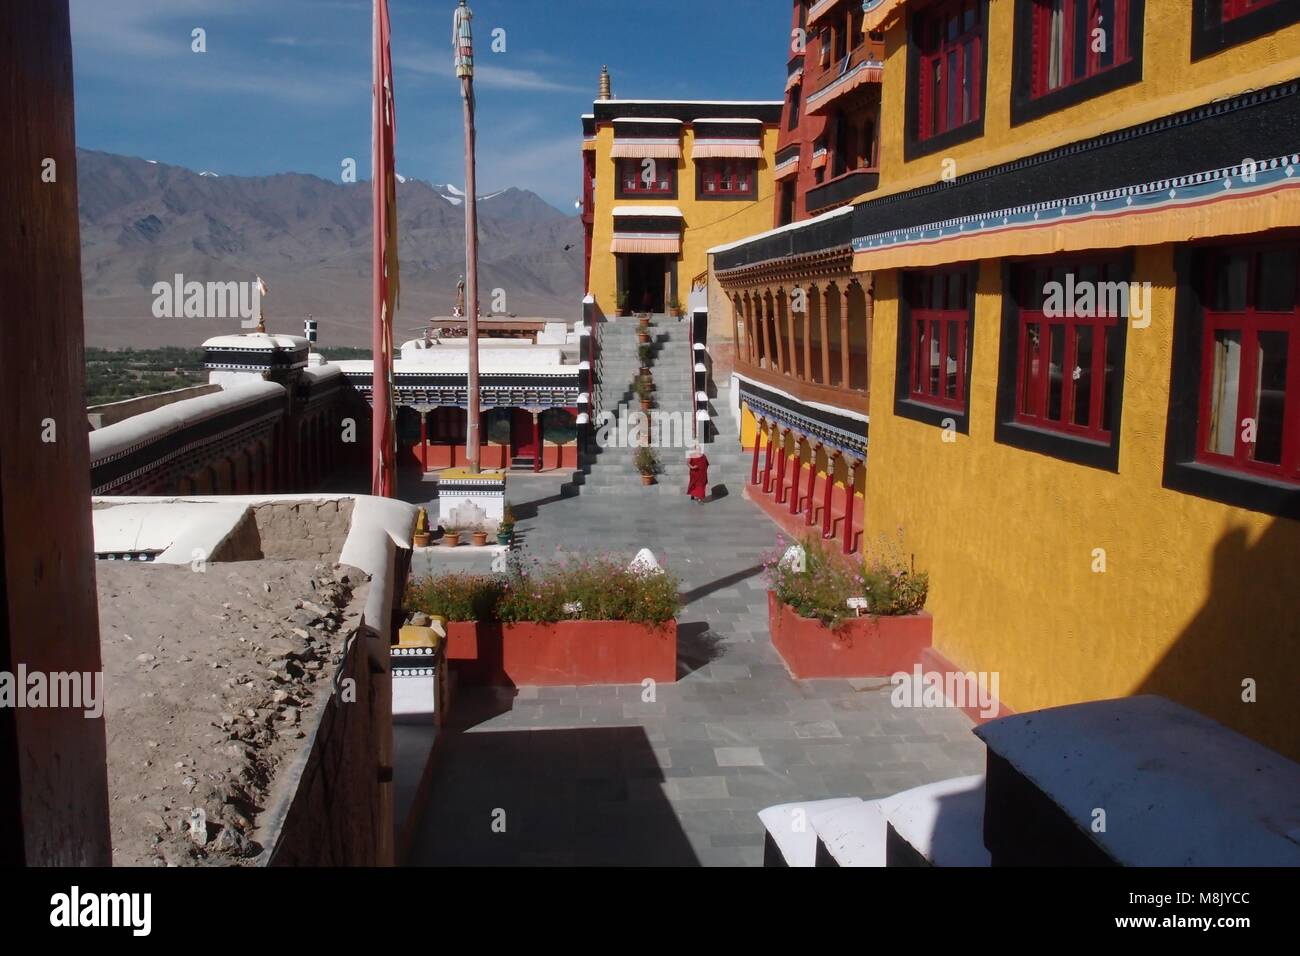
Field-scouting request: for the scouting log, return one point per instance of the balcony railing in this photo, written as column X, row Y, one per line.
column 842, row 189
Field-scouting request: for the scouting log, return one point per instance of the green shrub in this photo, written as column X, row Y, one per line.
column 822, row 586
column 457, row 597
column 818, row 588
column 586, row 589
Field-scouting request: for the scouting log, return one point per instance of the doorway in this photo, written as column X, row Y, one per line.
column 645, row 278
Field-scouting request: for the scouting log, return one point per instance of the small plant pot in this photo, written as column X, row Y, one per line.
column 647, row 479
column 645, row 404
column 451, row 539
column 643, row 337
column 480, row 539
column 503, row 539
column 420, row 539
column 644, row 371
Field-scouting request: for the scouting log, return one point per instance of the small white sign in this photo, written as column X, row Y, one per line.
column 858, row 604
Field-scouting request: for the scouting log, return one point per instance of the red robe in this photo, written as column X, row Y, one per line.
column 698, row 486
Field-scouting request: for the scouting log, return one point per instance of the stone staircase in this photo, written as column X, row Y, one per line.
column 610, row 470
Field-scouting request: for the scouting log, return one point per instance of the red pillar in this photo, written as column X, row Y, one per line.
column 826, row 495
column 767, row 464
column 812, row 485
column 539, row 445
column 780, row 471
column 794, row 481
column 424, row 441
column 848, row 508
column 753, row 469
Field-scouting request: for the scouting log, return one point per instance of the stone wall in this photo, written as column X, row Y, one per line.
column 337, row 815
column 310, row 530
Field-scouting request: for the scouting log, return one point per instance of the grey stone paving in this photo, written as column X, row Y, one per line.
column 596, row 775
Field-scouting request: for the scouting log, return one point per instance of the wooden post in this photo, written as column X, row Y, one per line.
column 827, row 493
column 844, row 337
column 826, row 336
column 539, row 444
column 53, row 773
column 767, row 461
column 849, row 495
column 424, row 440
column 753, row 469
column 794, row 479
column 780, row 468
column 778, row 307
column 812, row 483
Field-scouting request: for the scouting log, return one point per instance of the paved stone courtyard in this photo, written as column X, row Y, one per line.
column 595, row 775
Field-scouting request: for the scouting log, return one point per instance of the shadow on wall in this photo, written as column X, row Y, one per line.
column 549, row 797
column 1247, row 630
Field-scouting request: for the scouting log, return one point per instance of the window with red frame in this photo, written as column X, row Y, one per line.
column 1069, row 346
column 726, row 177
column 652, row 176
column 950, row 41
column 1249, row 416
column 940, row 319
column 1076, row 39
column 1239, row 8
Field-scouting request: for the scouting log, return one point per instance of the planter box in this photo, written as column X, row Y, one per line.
column 566, row 652
column 860, row 647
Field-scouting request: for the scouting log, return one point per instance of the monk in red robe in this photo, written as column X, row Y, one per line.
column 698, row 465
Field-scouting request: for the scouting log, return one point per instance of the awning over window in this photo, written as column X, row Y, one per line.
column 634, row 242
column 880, row 14
column 726, row 149
column 868, row 71
column 727, row 139
column 650, row 229
column 794, row 79
column 820, row 9
column 819, row 159
column 647, row 138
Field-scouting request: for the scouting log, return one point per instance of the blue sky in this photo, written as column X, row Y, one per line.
column 284, row 84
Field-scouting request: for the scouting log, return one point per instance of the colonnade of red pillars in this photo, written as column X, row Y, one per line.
column 775, row 436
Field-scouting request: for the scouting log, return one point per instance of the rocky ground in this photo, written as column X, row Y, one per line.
column 211, row 682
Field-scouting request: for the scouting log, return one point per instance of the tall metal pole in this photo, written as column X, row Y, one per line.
column 463, row 39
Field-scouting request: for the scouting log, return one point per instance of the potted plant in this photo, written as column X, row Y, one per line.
column 420, row 538
column 675, row 307
column 451, row 536
column 647, row 463
column 644, row 391
column 480, row 537
column 624, row 303
column 644, row 352
column 506, row 529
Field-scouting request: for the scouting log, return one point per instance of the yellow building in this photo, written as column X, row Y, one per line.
column 664, row 181
column 1085, row 352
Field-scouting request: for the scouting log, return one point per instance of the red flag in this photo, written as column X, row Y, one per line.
column 384, row 280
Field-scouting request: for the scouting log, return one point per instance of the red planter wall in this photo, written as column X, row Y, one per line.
column 862, row 647
column 566, row 652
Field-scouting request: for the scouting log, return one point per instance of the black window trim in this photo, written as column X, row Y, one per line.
column 1182, row 472
column 1006, row 430
column 905, row 406
column 913, row 146
column 1210, row 34
column 1026, row 107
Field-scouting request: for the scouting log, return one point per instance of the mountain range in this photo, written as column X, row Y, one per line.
column 309, row 239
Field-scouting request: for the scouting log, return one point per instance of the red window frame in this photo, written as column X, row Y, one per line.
column 1248, row 321
column 1037, row 335
column 940, row 330
column 950, row 43
column 1093, row 13
column 727, row 175
column 630, row 181
column 1232, row 9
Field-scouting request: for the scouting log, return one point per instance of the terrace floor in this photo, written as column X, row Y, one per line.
column 595, row 775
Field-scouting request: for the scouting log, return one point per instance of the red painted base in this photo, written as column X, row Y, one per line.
column 567, row 652
column 795, row 526
column 934, row 662
column 862, row 647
